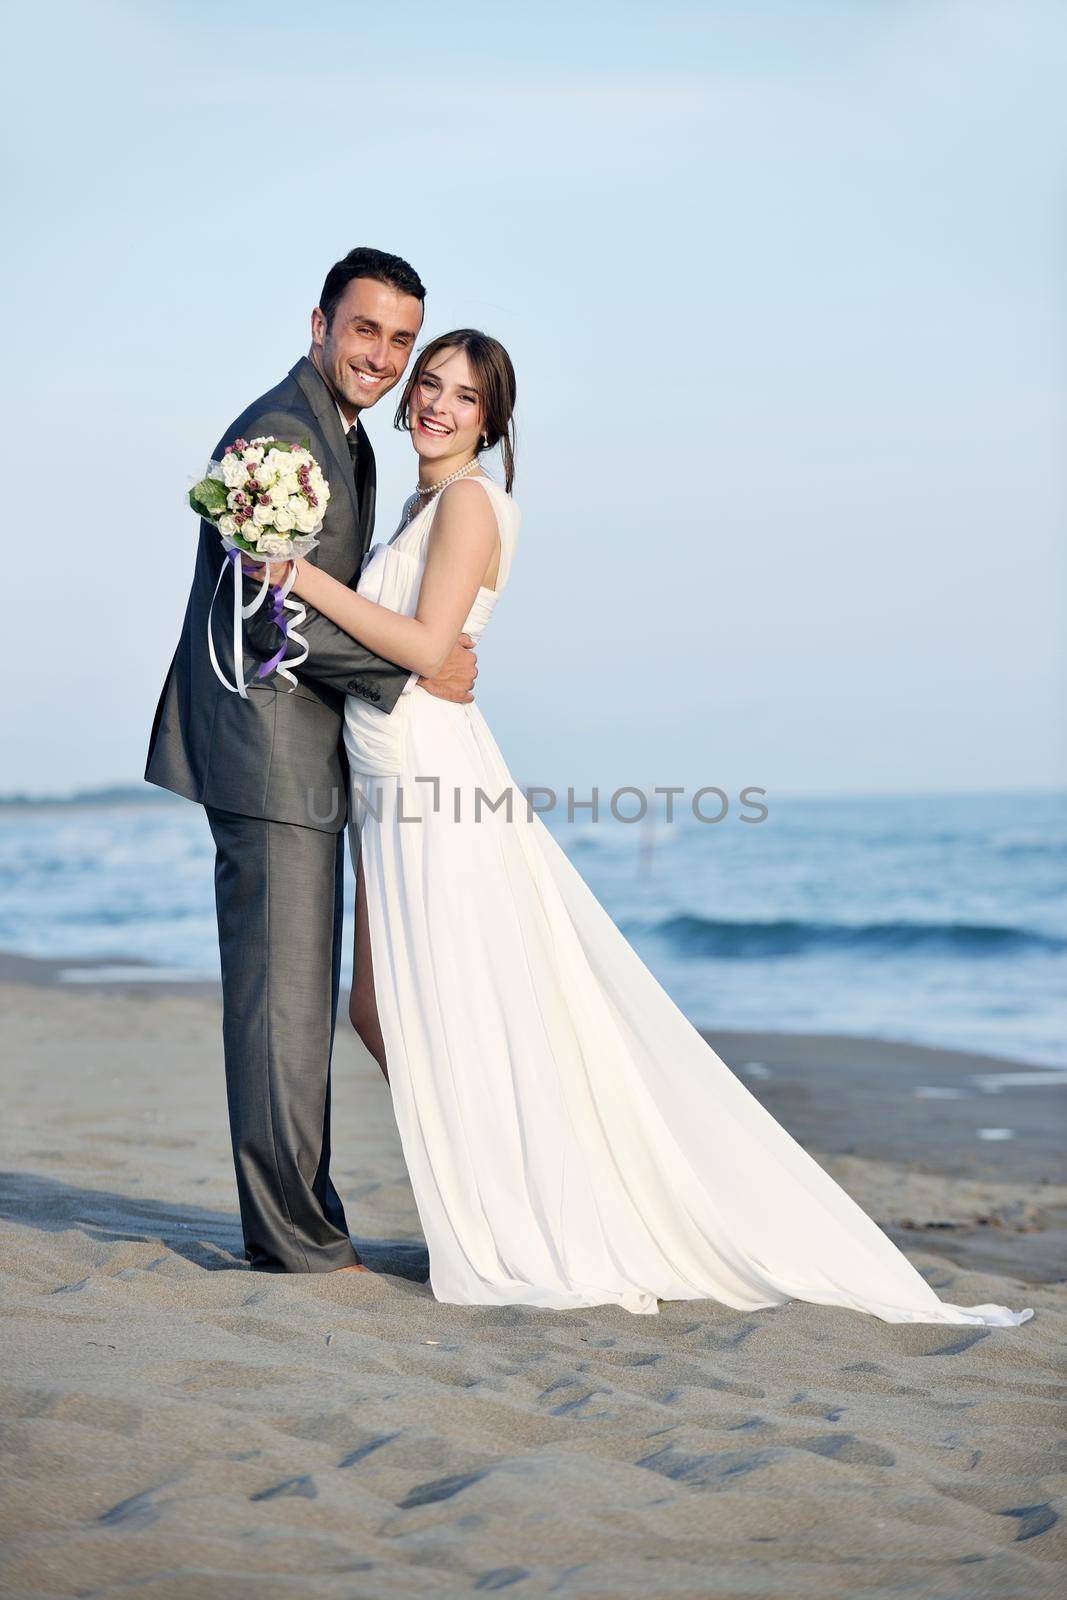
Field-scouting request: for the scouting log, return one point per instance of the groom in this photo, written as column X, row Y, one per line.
column 270, row 773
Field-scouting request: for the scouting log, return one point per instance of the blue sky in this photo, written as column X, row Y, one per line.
column 783, row 285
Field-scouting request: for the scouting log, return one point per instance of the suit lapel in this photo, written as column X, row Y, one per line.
column 326, row 415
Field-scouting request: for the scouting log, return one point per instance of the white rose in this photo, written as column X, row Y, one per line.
column 307, row 518
column 263, row 516
column 287, row 484
column 227, row 526
column 273, row 544
column 296, row 505
column 284, row 519
column 234, row 475
column 253, row 455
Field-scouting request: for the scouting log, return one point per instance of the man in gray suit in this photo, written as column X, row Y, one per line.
column 270, row 772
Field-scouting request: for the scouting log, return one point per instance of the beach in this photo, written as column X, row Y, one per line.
column 178, row 1426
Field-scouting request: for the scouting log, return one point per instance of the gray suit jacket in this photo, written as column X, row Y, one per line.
column 277, row 754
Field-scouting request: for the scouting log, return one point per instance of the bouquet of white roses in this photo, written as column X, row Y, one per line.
column 267, row 498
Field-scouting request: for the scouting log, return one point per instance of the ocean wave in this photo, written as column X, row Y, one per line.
column 696, row 936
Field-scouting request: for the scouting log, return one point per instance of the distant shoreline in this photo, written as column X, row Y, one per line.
column 136, row 793
column 116, row 795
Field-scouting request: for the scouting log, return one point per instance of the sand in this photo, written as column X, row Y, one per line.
column 177, row 1426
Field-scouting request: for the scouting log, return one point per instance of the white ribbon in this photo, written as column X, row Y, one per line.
column 241, row 611
column 299, row 615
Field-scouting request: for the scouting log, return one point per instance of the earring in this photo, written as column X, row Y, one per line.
column 485, row 440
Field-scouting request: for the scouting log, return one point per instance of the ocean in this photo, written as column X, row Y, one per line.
column 935, row 919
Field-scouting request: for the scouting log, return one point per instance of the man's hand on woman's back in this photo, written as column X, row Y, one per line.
column 455, row 681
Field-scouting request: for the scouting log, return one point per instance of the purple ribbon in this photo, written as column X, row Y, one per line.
column 277, row 616
column 276, row 613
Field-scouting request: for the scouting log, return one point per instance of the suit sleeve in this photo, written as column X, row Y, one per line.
column 334, row 657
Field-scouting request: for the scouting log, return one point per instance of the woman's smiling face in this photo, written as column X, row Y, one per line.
column 446, row 409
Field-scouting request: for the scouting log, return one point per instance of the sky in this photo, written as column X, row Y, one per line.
column 783, row 284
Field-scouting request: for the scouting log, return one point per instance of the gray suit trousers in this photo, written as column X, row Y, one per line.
column 278, row 894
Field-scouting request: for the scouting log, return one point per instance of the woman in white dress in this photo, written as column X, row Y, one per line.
column 570, row 1138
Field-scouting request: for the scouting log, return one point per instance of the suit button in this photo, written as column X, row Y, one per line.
column 352, row 686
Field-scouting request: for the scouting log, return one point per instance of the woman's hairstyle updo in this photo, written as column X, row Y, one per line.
column 494, row 379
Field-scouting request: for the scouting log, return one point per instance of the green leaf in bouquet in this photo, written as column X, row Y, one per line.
column 282, row 444
column 239, row 539
column 208, row 499
column 202, row 510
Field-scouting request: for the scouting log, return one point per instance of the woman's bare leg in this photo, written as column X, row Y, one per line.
column 362, row 1005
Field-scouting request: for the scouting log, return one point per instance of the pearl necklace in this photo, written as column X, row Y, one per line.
column 435, row 488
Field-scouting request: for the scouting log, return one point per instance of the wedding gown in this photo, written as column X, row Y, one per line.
column 570, row 1138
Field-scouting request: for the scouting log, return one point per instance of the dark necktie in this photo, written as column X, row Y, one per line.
column 353, row 449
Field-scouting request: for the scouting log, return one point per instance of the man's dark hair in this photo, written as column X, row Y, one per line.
column 363, row 262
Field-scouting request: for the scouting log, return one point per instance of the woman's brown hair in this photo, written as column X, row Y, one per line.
column 494, row 379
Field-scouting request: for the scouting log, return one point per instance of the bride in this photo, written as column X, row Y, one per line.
column 570, row 1138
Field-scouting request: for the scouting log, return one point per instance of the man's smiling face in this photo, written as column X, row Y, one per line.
column 363, row 352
